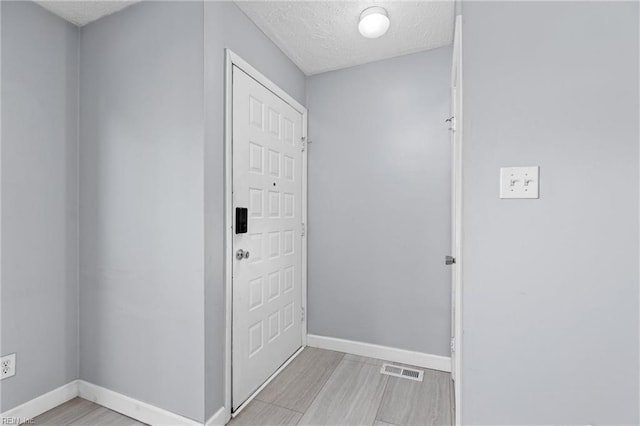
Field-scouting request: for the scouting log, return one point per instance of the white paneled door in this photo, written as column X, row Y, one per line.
column 456, row 223
column 267, row 263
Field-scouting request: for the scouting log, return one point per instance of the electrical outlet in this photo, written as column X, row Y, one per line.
column 7, row 366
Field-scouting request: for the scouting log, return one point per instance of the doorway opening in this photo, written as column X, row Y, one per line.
column 262, row 161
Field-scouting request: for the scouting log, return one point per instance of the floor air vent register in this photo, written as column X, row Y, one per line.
column 402, row 372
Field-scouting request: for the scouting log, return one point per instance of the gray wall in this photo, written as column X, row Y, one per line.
column 551, row 285
column 141, row 205
column 152, row 197
column 379, row 203
column 226, row 26
column 39, row 200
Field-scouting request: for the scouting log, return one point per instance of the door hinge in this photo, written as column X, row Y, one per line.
column 304, row 229
column 452, row 123
column 305, row 142
column 302, row 314
column 453, row 344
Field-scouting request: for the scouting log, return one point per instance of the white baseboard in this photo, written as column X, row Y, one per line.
column 43, row 403
column 146, row 413
column 419, row 359
column 115, row 401
column 218, row 419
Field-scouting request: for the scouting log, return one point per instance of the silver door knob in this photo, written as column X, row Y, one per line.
column 241, row 254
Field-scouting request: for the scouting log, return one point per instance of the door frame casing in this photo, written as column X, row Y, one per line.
column 456, row 80
column 231, row 60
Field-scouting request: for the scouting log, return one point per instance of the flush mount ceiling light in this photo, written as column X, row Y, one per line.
column 374, row 22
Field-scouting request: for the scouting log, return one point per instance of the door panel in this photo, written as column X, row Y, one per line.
column 457, row 147
column 267, row 179
column 454, row 225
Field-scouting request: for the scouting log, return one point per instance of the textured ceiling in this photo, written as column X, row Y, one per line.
column 322, row 36
column 81, row 12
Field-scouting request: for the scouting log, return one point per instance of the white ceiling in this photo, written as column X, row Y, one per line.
column 320, row 35
column 323, row 35
column 81, row 12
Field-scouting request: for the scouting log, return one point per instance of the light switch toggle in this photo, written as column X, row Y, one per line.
column 519, row 182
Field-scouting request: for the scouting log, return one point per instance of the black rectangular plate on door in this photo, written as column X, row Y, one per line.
column 241, row 220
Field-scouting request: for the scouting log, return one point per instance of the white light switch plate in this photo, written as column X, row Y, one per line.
column 519, row 182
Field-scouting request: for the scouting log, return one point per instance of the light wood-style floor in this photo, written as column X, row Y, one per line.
column 80, row 412
column 319, row 387
column 322, row 387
